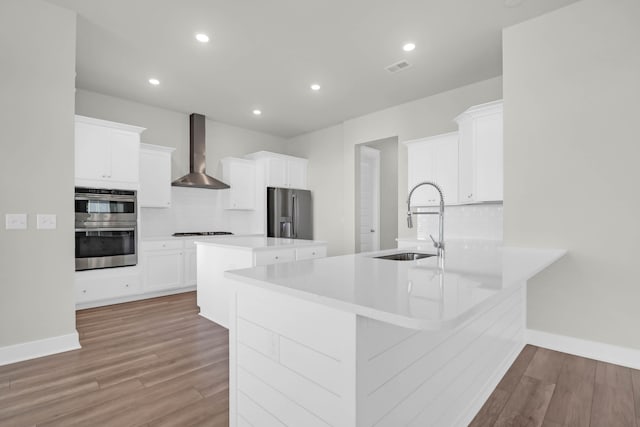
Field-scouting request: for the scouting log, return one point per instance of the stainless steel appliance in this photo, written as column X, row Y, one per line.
column 289, row 213
column 106, row 228
column 203, row 233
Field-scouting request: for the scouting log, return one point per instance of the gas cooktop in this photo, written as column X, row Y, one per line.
column 203, row 233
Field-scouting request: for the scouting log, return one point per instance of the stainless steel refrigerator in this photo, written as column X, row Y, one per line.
column 289, row 213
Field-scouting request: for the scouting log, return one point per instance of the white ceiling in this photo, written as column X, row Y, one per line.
column 265, row 54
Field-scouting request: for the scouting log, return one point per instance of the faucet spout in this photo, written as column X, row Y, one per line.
column 439, row 245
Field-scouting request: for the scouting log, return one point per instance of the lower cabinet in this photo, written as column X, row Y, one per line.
column 163, row 269
column 215, row 290
column 97, row 285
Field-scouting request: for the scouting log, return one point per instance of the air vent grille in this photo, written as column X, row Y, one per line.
column 398, row 66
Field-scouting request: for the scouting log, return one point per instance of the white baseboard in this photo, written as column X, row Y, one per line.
column 32, row 349
column 134, row 297
column 623, row 356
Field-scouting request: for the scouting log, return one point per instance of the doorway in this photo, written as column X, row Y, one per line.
column 376, row 204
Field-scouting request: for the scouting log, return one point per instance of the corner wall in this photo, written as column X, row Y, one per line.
column 571, row 91
column 38, row 43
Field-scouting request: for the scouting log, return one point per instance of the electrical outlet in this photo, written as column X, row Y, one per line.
column 46, row 221
column 15, row 221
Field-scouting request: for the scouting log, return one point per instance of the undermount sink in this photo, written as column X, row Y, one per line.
column 405, row 256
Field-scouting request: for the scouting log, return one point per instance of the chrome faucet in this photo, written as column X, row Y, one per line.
column 439, row 245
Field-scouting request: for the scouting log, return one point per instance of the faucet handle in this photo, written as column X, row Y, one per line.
column 439, row 245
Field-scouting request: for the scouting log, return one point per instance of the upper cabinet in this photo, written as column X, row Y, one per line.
column 240, row 174
column 106, row 154
column 281, row 170
column 155, row 176
column 433, row 159
column 480, row 153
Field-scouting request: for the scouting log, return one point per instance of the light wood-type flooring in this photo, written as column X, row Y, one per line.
column 144, row 363
column 551, row 389
column 157, row 363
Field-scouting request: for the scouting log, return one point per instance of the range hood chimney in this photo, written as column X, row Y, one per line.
column 197, row 177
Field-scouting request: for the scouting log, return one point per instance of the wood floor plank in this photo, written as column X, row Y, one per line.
column 571, row 402
column 205, row 410
column 491, row 409
column 613, row 401
column 635, row 382
column 545, row 365
column 515, row 372
column 528, row 403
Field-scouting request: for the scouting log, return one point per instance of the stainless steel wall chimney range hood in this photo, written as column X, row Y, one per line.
column 197, row 177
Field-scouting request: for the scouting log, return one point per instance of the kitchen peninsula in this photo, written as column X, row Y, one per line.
column 216, row 256
column 356, row 340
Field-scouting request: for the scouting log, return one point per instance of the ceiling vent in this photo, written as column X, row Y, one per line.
column 398, row 66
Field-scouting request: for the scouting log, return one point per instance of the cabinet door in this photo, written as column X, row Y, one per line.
column 297, row 173
column 311, row 252
column 466, row 162
column 421, row 167
column 446, row 170
column 155, row 179
column 125, row 149
column 163, row 269
column 190, row 267
column 274, row 256
column 277, row 172
column 241, row 176
column 92, row 153
column 489, row 158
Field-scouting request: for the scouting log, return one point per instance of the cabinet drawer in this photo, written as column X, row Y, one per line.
column 161, row 245
column 274, row 257
column 95, row 289
column 311, row 252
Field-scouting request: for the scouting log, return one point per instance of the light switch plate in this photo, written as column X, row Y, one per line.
column 46, row 221
column 15, row 221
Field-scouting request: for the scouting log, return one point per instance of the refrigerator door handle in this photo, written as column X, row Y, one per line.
column 293, row 216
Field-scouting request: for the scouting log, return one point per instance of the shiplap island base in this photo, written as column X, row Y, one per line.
column 359, row 341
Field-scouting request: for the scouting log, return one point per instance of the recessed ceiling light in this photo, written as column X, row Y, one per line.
column 408, row 47
column 315, row 87
column 154, row 82
column 202, row 38
column 257, row 112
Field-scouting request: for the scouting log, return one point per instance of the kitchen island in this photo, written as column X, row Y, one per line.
column 356, row 340
column 215, row 256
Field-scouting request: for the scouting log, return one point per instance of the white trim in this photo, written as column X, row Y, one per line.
column 109, row 124
column 136, row 297
column 622, row 356
column 32, row 349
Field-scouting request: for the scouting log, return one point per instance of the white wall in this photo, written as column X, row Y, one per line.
column 37, row 41
column 571, row 91
column 331, row 155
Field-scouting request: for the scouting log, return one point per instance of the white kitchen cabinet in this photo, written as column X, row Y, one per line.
column 95, row 285
column 106, row 154
column 240, row 174
column 279, row 170
column 155, row 176
column 311, row 252
column 190, row 267
column 481, row 153
column 163, row 264
column 215, row 290
column 433, row 159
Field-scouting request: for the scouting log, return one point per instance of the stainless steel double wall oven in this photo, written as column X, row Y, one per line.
column 106, row 228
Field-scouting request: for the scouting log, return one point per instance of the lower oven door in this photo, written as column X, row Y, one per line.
column 105, row 247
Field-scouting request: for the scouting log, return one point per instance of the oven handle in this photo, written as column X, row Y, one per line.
column 106, row 229
column 106, row 197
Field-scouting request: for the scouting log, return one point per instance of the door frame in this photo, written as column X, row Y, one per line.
column 374, row 154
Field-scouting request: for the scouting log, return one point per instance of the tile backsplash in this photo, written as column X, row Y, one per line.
column 194, row 209
column 482, row 221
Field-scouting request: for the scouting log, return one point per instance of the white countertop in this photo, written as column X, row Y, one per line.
column 412, row 294
column 206, row 238
column 257, row 243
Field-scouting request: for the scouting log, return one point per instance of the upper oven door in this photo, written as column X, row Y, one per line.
column 98, row 207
